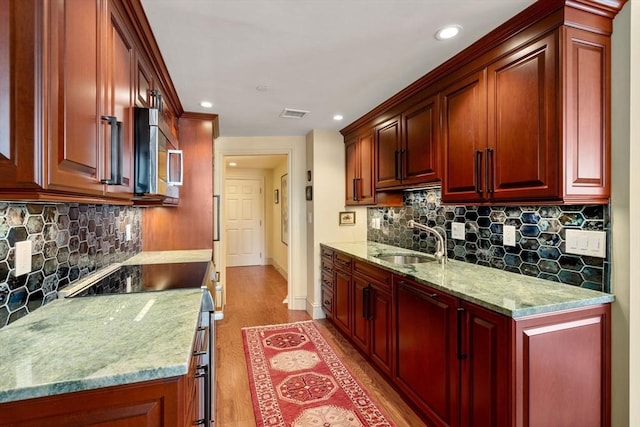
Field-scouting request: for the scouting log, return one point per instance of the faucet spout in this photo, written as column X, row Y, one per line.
column 441, row 243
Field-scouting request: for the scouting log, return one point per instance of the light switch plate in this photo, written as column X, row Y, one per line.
column 127, row 232
column 509, row 235
column 583, row 242
column 23, row 257
column 457, row 230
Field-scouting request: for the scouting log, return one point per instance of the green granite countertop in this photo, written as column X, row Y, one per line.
column 79, row 344
column 511, row 294
column 156, row 257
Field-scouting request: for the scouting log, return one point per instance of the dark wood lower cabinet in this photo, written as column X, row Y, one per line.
column 342, row 301
column 463, row 365
column 426, row 366
column 149, row 404
column 484, row 366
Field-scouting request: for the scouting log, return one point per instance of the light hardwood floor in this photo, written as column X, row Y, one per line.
column 254, row 298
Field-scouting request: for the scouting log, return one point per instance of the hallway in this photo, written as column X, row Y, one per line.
column 254, row 297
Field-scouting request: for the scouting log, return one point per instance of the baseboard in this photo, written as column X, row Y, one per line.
column 298, row 303
column 315, row 311
column 279, row 269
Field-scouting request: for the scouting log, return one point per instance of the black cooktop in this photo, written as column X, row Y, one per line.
column 147, row 278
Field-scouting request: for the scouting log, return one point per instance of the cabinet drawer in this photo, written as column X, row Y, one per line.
column 327, row 280
column 327, row 266
column 372, row 272
column 326, row 296
column 326, row 254
column 342, row 262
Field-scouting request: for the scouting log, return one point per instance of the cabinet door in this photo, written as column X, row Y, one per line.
column 361, row 331
column 75, row 148
column 380, row 314
column 587, row 167
column 342, row 299
column 388, row 154
column 464, row 124
column 426, row 365
column 420, row 143
column 144, row 83
column 352, row 167
column 118, row 81
column 483, row 352
column 524, row 155
column 562, row 368
column 366, row 188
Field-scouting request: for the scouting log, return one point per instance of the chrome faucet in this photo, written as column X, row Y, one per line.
column 441, row 243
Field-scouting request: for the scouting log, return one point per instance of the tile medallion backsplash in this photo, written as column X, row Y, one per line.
column 69, row 242
column 540, row 236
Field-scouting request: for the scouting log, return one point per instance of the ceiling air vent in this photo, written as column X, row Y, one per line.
column 288, row 113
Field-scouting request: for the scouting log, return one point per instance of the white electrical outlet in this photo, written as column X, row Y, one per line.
column 127, row 232
column 509, row 235
column 590, row 243
column 457, row 230
column 378, row 223
column 23, row 257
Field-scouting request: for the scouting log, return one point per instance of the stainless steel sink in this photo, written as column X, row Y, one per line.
column 405, row 259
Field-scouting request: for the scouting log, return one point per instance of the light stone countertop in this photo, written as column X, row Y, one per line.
column 511, row 294
column 165, row 257
column 79, row 344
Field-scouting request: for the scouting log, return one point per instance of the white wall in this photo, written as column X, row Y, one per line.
column 278, row 250
column 625, row 207
column 294, row 147
column 325, row 157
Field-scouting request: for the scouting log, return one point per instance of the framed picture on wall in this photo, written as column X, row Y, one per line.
column 284, row 209
column 347, row 218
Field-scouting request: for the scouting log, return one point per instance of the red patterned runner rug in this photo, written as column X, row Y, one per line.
column 297, row 380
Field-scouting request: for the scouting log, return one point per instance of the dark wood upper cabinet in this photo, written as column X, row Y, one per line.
column 388, row 152
column 66, row 65
column 76, row 148
column 119, row 84
column 464, row 138
column 359, row 183
column 406, row 147
column 522, row 115
column 420, row 147
column 500, row 136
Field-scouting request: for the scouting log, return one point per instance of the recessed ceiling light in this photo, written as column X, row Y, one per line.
column 338, row 117
column 262, row 88
column 206, row 104
column 233, row 164
column 448, row 32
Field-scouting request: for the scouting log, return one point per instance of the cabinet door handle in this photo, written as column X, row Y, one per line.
column 365, row 302
column 488, row 171
column 355, row 190
column 116, row 151
column 476, row 171
column 398, row 173
column 461, row 354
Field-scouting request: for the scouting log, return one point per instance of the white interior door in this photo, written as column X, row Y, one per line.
column 243, row 223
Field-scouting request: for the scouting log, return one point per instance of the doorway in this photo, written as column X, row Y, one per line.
column 244, row 219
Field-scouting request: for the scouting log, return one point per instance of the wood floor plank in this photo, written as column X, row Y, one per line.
column 254, row 298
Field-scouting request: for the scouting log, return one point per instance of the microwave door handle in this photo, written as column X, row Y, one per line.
column 178, row 153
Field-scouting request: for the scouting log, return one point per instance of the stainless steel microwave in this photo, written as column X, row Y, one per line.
column 158, row 165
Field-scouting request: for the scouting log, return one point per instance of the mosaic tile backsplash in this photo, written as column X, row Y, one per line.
column 69, row 242
column 540, row 236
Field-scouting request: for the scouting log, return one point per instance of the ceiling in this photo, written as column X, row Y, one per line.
column 253, row 58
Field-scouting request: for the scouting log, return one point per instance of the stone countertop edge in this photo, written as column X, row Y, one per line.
column 170, row 257
column 510, row 294
column 130, row 338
